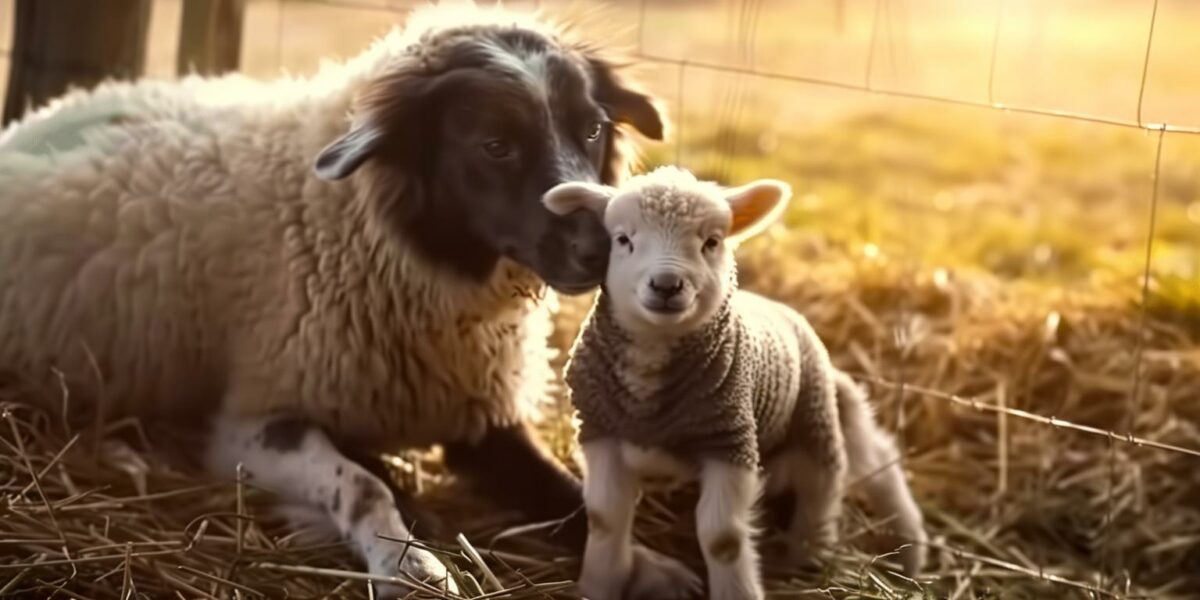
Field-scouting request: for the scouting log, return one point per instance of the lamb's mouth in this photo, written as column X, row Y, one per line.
column 667, row 308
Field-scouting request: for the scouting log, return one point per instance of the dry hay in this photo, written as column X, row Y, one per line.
column 1017, row 508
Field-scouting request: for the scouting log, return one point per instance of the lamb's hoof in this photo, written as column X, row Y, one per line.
column 908, row 546
column 913, row 552
column 420, row 566
column 659, row 577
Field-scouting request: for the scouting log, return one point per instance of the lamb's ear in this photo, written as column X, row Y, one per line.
column 569, row 197
column 345, row 155
column 756, row 206
column 623, row 102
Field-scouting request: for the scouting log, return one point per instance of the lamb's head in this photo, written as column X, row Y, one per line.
column 673, row 236
column 475, row 114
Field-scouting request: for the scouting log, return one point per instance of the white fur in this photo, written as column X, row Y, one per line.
column 613, row 568
column 610, row 492
column 317, row 475
column 724, row 519
column 875, row 465
column 616, row 472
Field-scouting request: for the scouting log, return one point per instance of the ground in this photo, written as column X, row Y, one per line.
column 983, row 272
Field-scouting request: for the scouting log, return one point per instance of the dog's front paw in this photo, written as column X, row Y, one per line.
column 416, row 565
column 658, row 577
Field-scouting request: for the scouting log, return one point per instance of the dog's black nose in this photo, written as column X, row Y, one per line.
column 666, row 285
column 592, row 255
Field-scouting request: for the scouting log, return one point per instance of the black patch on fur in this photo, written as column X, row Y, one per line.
column 596, row 523
column 367, row 496
column 726, row 548
column 336, row 504
column 414, row 514
column 284, row 434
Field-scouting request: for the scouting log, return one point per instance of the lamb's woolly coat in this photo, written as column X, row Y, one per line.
column 755, row 377
column 163, row 242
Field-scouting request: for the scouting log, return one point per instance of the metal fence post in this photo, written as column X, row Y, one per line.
column 210, row 36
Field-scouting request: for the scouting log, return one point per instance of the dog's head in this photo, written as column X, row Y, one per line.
column 462, row 135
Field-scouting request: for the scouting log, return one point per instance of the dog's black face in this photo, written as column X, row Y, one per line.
column 460, row 144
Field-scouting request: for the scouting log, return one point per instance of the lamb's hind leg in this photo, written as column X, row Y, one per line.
column 875, row 464
column 814, row 467
column 297, row 461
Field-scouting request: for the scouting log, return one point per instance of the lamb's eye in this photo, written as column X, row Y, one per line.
column 711, row 244
column 624, row 240
column 498, row 149
column 595, row 131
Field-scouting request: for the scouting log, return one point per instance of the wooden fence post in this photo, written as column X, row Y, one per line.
column 59, row 44
column 210, row 36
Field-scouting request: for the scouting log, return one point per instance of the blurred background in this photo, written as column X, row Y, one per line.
column 775, row 87
column 996, row 226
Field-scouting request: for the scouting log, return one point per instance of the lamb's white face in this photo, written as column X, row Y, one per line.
column 672, row 243
column 668, row 271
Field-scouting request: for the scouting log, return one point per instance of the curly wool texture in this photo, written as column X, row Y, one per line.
column 165, row 247
column 753, row 378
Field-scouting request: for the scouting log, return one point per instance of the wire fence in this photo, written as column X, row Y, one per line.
column 742, row 35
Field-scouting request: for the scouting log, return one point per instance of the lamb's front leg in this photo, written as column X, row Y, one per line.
column 610, row 495
column 511, row 466
column 613, row 566
column 724, row 524
column 288, row 456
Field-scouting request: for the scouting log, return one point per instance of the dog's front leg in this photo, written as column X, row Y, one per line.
column 512, row 468
column 297, row 461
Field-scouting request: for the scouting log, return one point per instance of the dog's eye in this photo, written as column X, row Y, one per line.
column 711, row 244
column 498, row 149
column 595, row 131
column 624, row 240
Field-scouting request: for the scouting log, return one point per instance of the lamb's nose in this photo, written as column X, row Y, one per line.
column 666, row 284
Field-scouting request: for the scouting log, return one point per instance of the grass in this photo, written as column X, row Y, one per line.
column 992, row 263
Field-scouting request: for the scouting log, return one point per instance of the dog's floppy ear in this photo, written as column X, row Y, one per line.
column 346, row 154
column 398, row 100
column 624, row 102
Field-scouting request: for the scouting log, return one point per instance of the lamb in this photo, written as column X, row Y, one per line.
column 325, row 269
column 679, row 375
